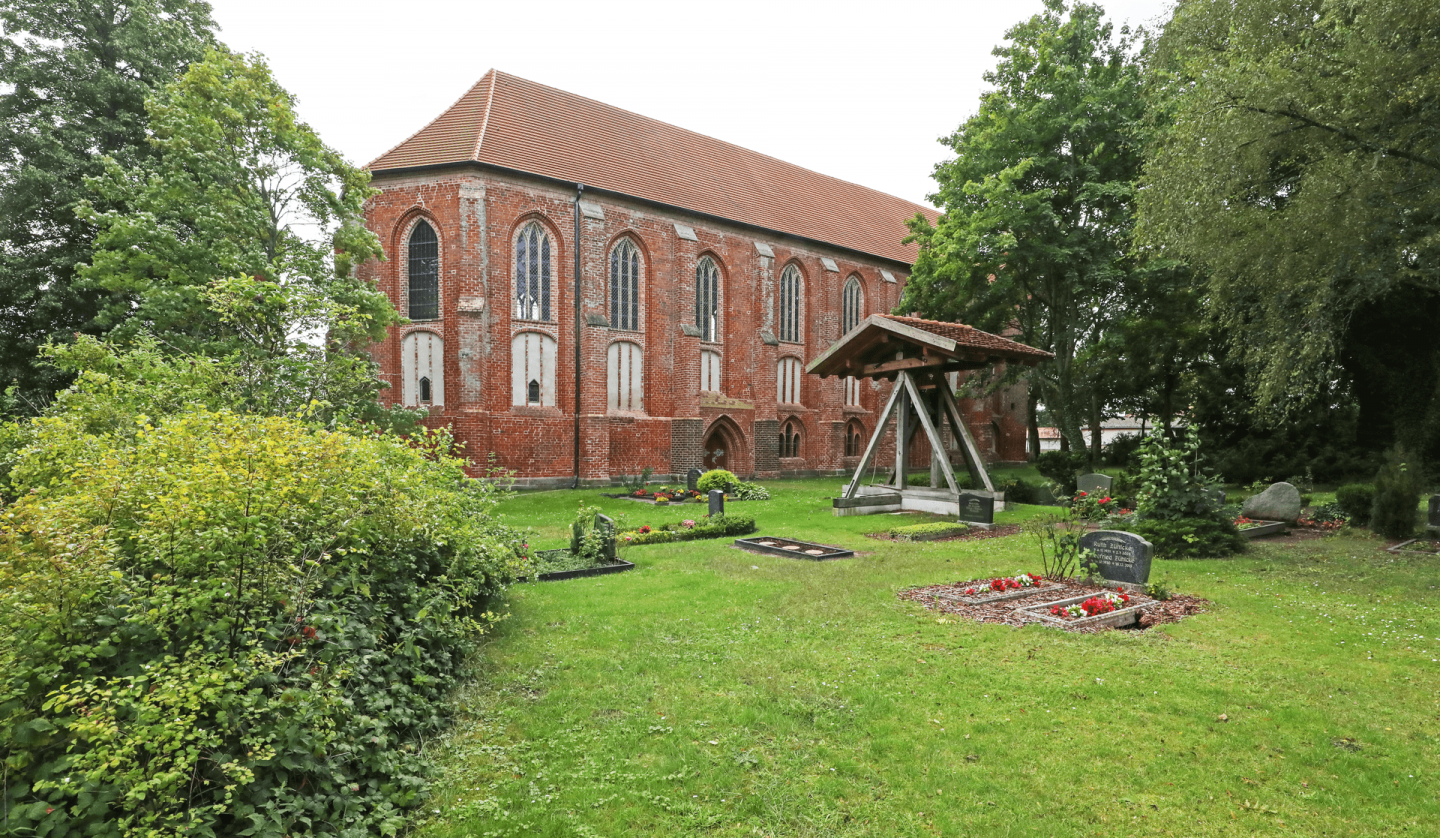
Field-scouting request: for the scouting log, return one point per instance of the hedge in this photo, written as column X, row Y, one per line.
column 708, row 526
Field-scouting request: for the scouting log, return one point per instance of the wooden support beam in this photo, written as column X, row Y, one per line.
column 903, row 364
column 930, row 431
column 874, row 443
column 967, row 442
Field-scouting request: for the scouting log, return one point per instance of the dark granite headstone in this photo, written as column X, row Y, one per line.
column 1092, row 484
column 717, row 502
column 1433, row 521
column 977, row 509
column 605, row 525
column 1122, row 556
column 692, row 479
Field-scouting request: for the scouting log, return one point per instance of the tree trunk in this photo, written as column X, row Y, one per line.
column 1032, row 419
column 1096, row 439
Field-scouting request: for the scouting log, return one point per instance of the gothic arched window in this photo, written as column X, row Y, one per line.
column 852, row 305
column 854, row 439
column 532, row 273
column 423, row 272
column 707, row 299
column 790, row 440
column 625, row 286
column 790, row 296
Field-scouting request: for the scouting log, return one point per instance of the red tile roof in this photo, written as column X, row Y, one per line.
column 973, row 337
column 508, row 121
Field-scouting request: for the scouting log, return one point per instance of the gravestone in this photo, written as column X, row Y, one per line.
column 1433, row 521
column 1122, row 556
column 692, row 479
column 1280, row 502
column 605, row 525
column 977, row 509
column 1219, row 495
column 1094, row 484
column 717, row 502
column 576, row 532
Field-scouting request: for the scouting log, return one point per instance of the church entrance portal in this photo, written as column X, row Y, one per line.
column 717, row 451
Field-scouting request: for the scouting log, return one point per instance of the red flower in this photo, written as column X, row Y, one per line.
column 1081, row 494
column 645, row 529
column 1106, row 500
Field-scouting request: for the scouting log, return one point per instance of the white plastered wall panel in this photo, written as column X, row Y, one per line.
column 532, row 358
column 787, row 381
column 625, row 383
column 422, row 355
column 710, row 379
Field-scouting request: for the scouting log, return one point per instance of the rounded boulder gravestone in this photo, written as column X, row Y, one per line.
column 1122, row 556
column 1280, row 502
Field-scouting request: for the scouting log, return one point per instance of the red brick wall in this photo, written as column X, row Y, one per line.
column 477, row 216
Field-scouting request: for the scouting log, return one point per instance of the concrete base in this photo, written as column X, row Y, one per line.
column 874, row 500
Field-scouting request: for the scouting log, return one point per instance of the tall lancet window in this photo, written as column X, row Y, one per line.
column 625, row 287
column 790, row 296
column 532, row 273
column 423, row 272
column 707, row 300
column 852, row 305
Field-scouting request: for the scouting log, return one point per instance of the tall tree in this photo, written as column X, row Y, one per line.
column 1302, row 175
column 74, row 75
column 1038, row 200
column 238, row 187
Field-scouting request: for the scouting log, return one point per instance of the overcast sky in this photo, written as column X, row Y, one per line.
column 858, row 90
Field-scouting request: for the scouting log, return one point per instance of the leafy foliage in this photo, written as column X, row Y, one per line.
column 1187, row 538
column 1357, row 500
column 241, row 197
column 749, row 491
column 717, row 478
column 74, row 76
column 1058, row 539
column 1300, row 175
column 709, row 526
column 1038, row 200
column 1397, row 495
column 1171, row 484
column 212, row 623
column 1061, row 468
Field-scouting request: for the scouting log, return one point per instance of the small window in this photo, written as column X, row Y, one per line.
column 854, row 439
column 424, row 390
column 532, row 273
column 533, row 396
column 423, row 272
column 790, row 297
column 625, row 286
column 707, row 300
column 789, row 441
column 852, row 305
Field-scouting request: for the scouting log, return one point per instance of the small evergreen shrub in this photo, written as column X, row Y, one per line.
column 1061, row 468
column 1357, row 500
column 710, row 526
column 717, row 478
column 749, row 491
column 1397, row 496
column 1018, row 491
column 1187, row 538
column 936, row 529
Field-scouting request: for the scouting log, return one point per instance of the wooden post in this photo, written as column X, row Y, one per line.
column 967, row 442
column 902, row 432
column 930, row 432
column 874, row 443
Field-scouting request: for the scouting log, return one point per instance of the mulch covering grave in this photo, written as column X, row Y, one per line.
column 973, row 534
column 951, row 600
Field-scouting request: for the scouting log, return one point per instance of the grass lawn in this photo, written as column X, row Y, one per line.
column 717, row 692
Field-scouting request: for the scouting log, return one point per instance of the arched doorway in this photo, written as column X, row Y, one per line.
column 722, row 446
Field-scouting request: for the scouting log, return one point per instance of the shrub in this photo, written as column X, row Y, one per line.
column 717, row 478
column 1187, row 538
column 214, row 622
column 937, row 529
column 1061, row 468
column 750, row 491
column 710, row 526
column 1120, row 453
column 1018, row 491
column 1171, row 485
column 1356, row 499
column 1397, row 496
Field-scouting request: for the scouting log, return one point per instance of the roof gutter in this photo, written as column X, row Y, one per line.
column 900, row 263
column 579, row 190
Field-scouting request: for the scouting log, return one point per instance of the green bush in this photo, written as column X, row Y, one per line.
column 1061, row 468
column 717, row 478
column 1170, row 485
column 1357, row 500
column 213, row 622
column 936, row 528
column 750, row 491
column 1018, row 491
column 1397, row 496
column 1187, row 538
column 710, row 526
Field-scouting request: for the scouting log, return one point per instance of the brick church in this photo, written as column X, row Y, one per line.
column 592, row 292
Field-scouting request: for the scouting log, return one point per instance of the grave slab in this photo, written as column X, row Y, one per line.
column 1122, row 556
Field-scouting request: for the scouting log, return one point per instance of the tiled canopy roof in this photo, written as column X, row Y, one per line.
column 508, row 121
column 882, row 344
column 974, row 338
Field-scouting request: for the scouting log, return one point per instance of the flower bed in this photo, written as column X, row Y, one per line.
column 1002, row 588
column 664, row 495
column 1251, row 528
column 706, row 526
column 1094, row 606
column 1034, row 604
